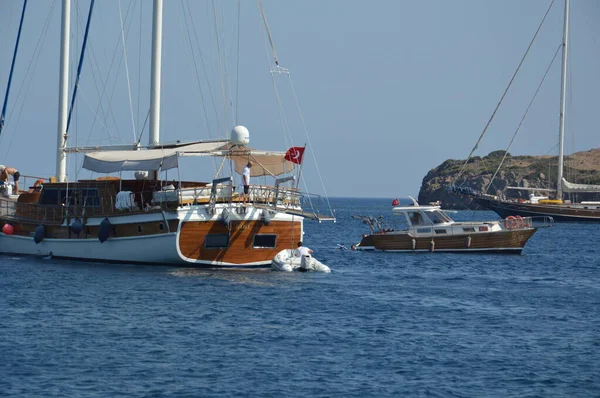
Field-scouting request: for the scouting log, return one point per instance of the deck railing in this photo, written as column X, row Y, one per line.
column 164, row 200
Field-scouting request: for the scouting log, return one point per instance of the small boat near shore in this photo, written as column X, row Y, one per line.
column 430, row 229
column 287, row 261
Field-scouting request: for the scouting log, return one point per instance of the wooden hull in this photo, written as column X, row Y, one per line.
column 560, row 213
column 241, row 250
column 174, row 238
column 506, row 241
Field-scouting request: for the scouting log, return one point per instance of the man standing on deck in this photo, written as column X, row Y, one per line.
column 246, row 182
column 6, row 171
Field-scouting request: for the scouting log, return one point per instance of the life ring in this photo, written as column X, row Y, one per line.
column 36, row 184
column 520, row 223
column 510, row 222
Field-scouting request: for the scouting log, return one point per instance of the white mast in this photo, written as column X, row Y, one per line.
column 63, row 92
column 563, row 90
column 154, row 136
column 156, row 71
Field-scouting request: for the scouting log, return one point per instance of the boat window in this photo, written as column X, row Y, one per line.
column 216, row 241
column 69, row 197
column 438, row 217
column 53, row 196
column 264, row 241
column 90, row 197
column 440, row 231
column 49, row 196
column 468, row 229
column 424, row 230
column 416, row 218
column 399, row 222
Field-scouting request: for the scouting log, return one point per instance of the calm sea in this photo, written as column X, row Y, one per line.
column 380, row 325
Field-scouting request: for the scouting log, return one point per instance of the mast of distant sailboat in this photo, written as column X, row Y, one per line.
column 563, row 90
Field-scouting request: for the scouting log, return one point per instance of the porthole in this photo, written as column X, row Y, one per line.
column 139, row 228
column 161, row 226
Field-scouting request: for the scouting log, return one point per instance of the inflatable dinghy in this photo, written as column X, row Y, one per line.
column 285, row 260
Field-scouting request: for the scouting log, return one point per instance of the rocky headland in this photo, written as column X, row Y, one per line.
column 516, row 171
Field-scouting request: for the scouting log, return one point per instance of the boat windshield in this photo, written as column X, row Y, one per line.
column 438, row 217
column 416, row 218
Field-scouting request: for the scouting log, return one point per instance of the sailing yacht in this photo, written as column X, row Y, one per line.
column 557, row 208
column 148, row 219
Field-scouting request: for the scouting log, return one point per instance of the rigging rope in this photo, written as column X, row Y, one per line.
column 523, row 118
column 264, row 17
column 12, row 66
column 212, row 98
column 27, row 80
column 101, row 88
column 284, row 124
column 80, row 65
column 310, row 145
column 127, row 71
column 504, row 94
column 219, row 58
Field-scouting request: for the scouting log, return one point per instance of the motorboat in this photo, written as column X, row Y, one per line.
column 430, row 229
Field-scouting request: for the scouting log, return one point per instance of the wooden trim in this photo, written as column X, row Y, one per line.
column 512, row 239
column 240, row 250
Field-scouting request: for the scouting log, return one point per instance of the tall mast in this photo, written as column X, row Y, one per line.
column 63, row 87
column 563, row 91
column 154, row 136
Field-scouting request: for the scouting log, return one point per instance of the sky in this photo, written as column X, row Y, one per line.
column 386, row 89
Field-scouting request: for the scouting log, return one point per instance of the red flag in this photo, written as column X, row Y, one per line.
column 395, row 202
column 294, row 154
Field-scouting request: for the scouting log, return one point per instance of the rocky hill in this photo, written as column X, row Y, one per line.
column 516, row 171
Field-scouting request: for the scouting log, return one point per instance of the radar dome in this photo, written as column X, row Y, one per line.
column 240, row 135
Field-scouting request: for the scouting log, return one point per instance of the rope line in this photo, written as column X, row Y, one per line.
column 504, row 94
column 523, row 118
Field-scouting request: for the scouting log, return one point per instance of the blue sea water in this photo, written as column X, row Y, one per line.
column 380, row 325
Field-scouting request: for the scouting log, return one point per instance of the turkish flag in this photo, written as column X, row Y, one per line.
column 294, row 154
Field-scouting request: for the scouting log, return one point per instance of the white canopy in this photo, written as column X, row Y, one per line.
column 149, row 159
column 572, row 187
column 264, row 162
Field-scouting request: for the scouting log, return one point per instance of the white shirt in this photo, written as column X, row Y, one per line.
column 302, row 251
column 246, row 176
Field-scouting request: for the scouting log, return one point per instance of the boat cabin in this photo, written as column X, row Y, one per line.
column 422, row 215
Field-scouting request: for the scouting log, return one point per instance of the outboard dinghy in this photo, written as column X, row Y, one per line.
column 285, row 260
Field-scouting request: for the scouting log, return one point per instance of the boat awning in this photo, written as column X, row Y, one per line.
column 148, row 159
column 572, row 187
column 264, row 162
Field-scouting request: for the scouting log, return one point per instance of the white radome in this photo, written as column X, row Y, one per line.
column 240, row 135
